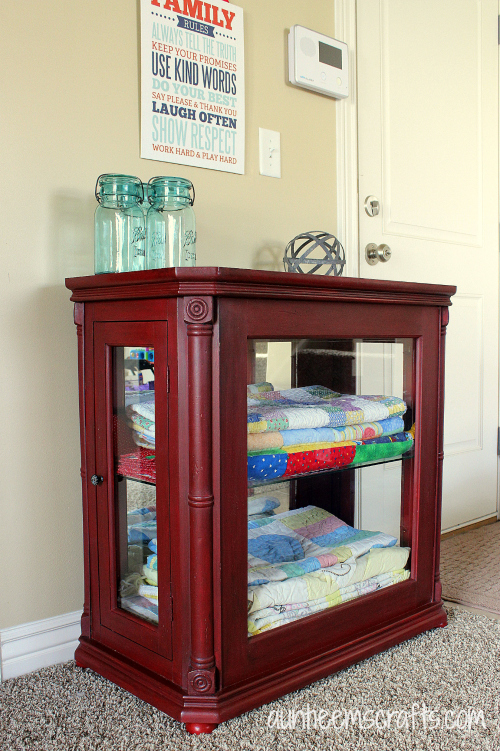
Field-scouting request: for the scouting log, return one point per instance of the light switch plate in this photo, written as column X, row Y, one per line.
column 269, row 153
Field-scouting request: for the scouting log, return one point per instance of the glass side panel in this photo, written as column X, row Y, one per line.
column 135, row 480
column 329, row 437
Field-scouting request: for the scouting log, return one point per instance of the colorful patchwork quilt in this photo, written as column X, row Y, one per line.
column 363, row 432
column 262, row 504
column 142, row 606
column 139, row 465
column 316, row 407
column 307, row 560
column 301, row 541
column 278, row 615
column 267, row 466
column 256, row 388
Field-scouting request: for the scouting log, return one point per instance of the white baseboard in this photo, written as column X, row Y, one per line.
column 40, row 644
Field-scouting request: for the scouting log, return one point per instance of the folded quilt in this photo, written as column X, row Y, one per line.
column 256, row 388
column 306, row 395
column 316, row 407
column 145, row 395
column 141, row 606
column 262, row 504
column 145, row 514
column 301, row 541
column 279, row 615
column 149, row 591
column 153, row 545
column 326, row 581
column 151, row 575
column 362, row 432
column 139, row 465
column 140, row 439
column 138, row 422
column 145, row 409
column 142, row 435
column 141, row 418
column 386, row 447
column 142, row 532
column 272, row 464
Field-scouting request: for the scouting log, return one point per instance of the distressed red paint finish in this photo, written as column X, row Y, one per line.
column 198, row 665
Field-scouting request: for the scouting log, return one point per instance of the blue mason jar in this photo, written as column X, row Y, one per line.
column 119, row 243
column 171, row 224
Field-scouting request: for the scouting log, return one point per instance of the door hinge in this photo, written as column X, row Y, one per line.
column 171, row 608
column 498, row 442
column 168, row 380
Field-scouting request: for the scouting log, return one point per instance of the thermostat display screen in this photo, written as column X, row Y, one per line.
column 330, row 55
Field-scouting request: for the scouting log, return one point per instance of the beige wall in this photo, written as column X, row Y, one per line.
column 70, row 111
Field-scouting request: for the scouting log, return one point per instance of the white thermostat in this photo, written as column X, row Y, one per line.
column 317, row 62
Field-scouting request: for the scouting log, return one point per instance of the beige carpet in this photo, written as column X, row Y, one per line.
column 470, row 568
column 452, row 670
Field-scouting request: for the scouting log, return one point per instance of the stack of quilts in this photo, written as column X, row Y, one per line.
column 137, row 428
column 139, row 589
column 142, row 598
column 141, row 418
column 303, row 430
column 141, row 525
column 304, row 561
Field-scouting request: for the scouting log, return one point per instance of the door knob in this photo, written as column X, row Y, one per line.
column 375, row 253
column 96, row 480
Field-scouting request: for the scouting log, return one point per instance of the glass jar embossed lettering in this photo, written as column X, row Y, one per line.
column 171, row 224
column 119, row 243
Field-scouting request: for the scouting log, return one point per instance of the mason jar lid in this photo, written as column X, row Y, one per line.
column 171, row 189
column 112, row 185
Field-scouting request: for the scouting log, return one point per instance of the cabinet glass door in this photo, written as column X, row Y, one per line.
column 135, row 477
column 330, row 436
column 131, row 416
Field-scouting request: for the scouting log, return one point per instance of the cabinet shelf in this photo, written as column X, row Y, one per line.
column 361, row 465
column 272, row 480
column 120, row 478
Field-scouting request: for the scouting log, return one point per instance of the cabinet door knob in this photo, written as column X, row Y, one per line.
column 96, row 479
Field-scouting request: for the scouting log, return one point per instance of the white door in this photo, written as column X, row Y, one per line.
column 427, row 77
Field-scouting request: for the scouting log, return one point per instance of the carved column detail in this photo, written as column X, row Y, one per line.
column 198, row 314
column 445, row 317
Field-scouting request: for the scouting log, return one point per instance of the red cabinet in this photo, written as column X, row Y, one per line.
column 183, row 579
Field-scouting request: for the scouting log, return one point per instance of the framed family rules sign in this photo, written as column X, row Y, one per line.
column 193, row 83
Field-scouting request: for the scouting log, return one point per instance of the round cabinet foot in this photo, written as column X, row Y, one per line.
column 200, row 727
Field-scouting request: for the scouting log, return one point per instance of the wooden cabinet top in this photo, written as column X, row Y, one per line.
column 228, row 282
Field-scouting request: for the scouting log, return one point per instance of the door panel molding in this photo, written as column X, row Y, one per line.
column 433, row 121
column 465, row 338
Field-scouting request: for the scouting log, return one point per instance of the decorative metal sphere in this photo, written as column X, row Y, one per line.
column 327, row 254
